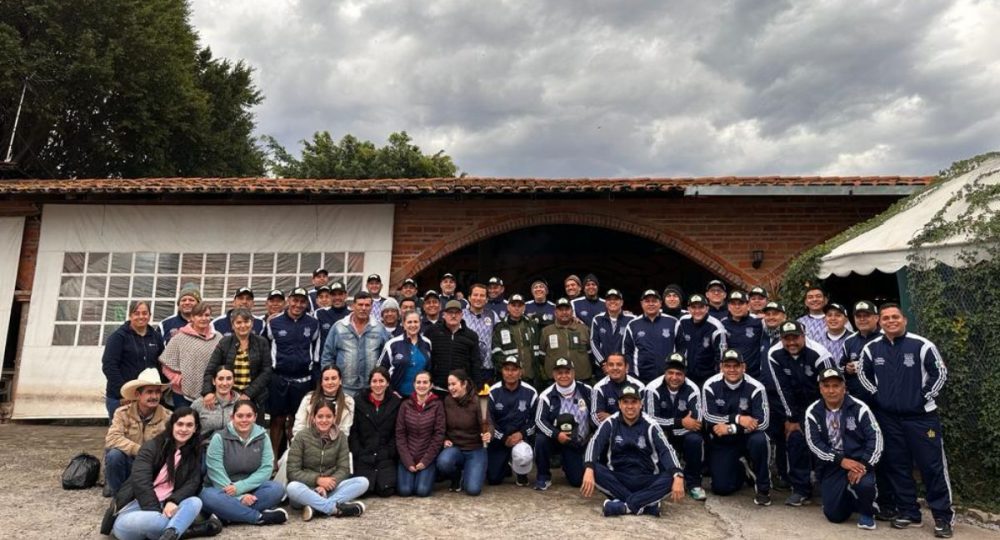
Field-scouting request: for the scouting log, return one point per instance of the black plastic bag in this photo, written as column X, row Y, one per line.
column 82, row 472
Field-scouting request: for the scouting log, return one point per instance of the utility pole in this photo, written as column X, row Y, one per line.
column 17, row 117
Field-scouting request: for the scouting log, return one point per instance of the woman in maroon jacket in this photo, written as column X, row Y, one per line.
column 463, row 459
column 419, row 435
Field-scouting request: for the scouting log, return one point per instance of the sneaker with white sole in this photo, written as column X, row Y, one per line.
column 866, row 522
column 762, row 499
column 307, row 513
column 614, row 507
column 275, row 516
column 350, row 509
column 651, row 509
column 697, row 493
column 796, row 499
column 521, row 480
column 906, row 523
column 542, row 484
column 942, row 529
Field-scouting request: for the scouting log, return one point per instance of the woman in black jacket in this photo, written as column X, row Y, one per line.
column 373, row 434
column 247, row 355
column 161, row 496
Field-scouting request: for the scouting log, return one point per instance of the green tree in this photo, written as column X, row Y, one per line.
column 352, row 158
column 119, row 88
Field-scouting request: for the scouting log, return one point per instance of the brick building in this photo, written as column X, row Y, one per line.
column 76, row 251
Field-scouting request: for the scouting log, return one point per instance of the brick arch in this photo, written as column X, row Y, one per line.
column 670, row 239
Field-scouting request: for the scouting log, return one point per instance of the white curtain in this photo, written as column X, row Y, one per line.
column 67, row 382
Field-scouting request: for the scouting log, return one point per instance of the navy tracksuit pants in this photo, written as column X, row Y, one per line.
column 776, row 432
column 636, row 490
column 729, row 473
column 690, row 446
column 799, row 462
column 841, row 499
column 916, row 439
column 571, row 456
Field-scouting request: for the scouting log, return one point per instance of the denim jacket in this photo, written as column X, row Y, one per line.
column 355, row 354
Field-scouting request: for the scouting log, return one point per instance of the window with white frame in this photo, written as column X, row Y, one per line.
column 97, row 287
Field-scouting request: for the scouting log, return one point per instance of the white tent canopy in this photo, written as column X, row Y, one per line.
column 886, row 248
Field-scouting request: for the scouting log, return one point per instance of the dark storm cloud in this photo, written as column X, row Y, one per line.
column 594, row 88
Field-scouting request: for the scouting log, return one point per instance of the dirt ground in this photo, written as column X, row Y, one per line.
column 33, row 505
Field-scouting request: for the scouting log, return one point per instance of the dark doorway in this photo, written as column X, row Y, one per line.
column 628, row 263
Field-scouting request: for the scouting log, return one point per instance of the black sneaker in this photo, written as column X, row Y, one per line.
column 521, row 480
column 276, row 516
column 209, row 527
column 905, row 523
column 942, row 529
column 350, row 509
column 169, row 533
column 456, row 485
column 796, row 499
column 887, row 514
column 762, row 499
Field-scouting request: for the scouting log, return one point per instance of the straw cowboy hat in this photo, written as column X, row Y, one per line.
column 148, row 377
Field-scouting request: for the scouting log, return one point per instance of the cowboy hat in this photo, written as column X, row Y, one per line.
column 148, row 377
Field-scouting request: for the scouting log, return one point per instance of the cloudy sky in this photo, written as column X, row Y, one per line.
column 574, row 88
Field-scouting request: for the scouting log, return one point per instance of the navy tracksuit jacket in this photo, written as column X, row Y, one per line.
column 224, row 325
column 722, row 403
column 744, row 335
column 606, row 394
column 586, row 309
column 328, row 317
column 294, row 346
column 668, row 410
column 647, row 345
column 605, row 338
column 702, row 344
column 396, row 357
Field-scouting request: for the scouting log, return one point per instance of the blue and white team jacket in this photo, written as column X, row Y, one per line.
column 606, row 338
column 647, row 345
column 512, row 411
column 327, row 317
column 668, row 409
column 744, row 335
column 641, row 449
column 550, row 403
column 904, row 374
column 543, row 313
column 794, row 378
column 294, row 346
column 396, row 357
column 860, row 435
column 586, row 309
column 722, row 402
column 702, row 344
column 606, row 394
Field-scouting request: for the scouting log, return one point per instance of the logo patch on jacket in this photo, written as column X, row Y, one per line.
column 687, row 337
column 707, row 342
column 666, row 333
column 584, row 313
column 682, row 405
column 641, row 333
column 398, row 356
column 282, row 333
column 851, row 424
column 880, row 361
column 908, row 360
column 499, row 406
column 307, row 331
column 720, row 402
column 744, row 404
column 641, row 443
column 750, row 332
column 522, row 405
column 604, row 330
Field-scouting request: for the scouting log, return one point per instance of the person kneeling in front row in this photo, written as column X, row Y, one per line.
column 642, row 466
column 319, row 469
column 842, row 433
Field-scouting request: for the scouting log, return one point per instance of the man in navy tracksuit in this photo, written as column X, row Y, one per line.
column 847, row 442
column 449, row 290
column 905, row 373
column 641, row 465
column 496, row 303
column 773, row 317
column 715, row 292
column 744, row 332
column 608, row 390
column 608, row 329
column 540, row 308
column 242, row 299
column 736, row 410
column 295, row 347
column 320, row 278
column 649, row 340
column 793, row 367
column 674, row 402
column 328, row 316
column 701, row 339
column 563, row 421
column 586, row 307
column 512, row 415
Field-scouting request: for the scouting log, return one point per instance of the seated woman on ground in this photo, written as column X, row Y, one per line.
column 319, row 469
column 240, row 461
column 160, row 498
column 419, row 435
column 224, row 398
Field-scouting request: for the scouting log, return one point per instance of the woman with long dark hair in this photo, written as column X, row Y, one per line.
column 419, row 434
column 329, row 388
column 373, row 434
column 136, row 345
column 463, row 458
column 160, row 499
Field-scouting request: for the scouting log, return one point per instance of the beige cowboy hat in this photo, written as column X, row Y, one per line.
column 148, row 377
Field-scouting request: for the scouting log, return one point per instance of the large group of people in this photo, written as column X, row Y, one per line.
column 324, row 401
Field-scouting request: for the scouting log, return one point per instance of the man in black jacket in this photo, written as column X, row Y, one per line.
column 453, row 346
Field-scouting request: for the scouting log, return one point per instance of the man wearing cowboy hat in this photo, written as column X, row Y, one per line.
column 140, row 419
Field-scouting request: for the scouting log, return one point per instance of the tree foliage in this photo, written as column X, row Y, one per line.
column 120, row 88
column 322, row 157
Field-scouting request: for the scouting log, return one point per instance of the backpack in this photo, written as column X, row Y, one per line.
column 82, row 472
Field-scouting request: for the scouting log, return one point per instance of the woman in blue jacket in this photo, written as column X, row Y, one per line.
column 406, row 355
column 135, row 346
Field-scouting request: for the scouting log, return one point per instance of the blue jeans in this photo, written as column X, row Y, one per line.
column 414, row 483
column 470, row 465
column 112, row 404
column 230, row 510
column 346, row 491
column 117, row 468
column 133, row 523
